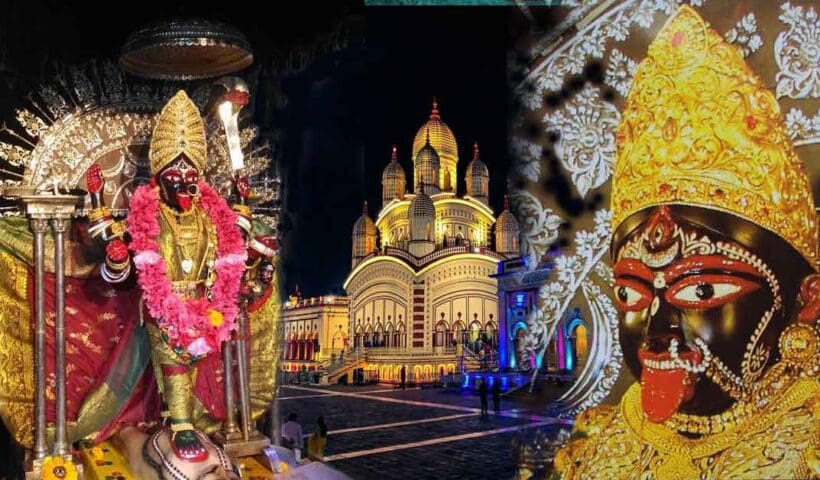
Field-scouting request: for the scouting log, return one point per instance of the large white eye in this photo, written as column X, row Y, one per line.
column 628, row 296
column 705, row 291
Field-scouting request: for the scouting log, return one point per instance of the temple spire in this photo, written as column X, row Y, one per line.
column 394, row 156
column 364, row 208
column 475, row 150
column 506, row 203
column 434, row 114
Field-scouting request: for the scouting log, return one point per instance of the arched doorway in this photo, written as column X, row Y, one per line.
column 337, row 342
column 400, row 336
column 440, row 336
column 357, row 338
column 577, row 344
column 378, row 336
column 389, row 340
column 475, row 334
column 520, row 354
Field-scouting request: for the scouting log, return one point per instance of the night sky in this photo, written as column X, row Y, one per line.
column 412, row 54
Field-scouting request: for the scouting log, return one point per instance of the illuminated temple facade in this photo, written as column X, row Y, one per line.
column 314, row 329
column 421, row 289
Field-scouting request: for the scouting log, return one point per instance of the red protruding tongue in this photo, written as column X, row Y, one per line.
column 663, row 391
column 184, row 201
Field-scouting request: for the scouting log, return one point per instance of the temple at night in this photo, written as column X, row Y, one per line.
column 421, row 291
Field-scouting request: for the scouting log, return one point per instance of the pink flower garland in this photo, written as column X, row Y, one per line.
column 187, row 322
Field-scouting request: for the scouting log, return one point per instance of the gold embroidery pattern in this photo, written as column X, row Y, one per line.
column 776, row 442
column 701, row 129
column 264, row 353
column 16, row 351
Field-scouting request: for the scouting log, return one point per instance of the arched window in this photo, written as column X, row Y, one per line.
column 388, row 335
column 475, row 331
column 520, row 356
column 441, row 334
column 400, row 336
column 491, row 333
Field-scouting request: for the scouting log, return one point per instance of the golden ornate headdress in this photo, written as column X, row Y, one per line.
column 701, row 129
column 179, row 130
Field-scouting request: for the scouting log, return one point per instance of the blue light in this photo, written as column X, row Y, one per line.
column 519, row 299
column 538, row 360
column 466, row 380
column 504, row 383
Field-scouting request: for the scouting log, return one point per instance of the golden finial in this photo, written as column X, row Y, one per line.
column 179, row 130
column 700, row 128
column 434, row 114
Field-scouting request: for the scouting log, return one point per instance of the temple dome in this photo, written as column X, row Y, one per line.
column 443, row 141
column 507, row 232
column 426, row 169
column 422, row 217
column 477, row 178
column 364, row 236
column 393, row 179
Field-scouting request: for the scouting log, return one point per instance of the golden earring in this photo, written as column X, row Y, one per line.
column 798, row 344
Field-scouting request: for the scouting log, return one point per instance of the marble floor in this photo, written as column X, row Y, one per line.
column 377, row 432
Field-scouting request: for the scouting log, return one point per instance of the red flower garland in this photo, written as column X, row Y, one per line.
column 193, row 325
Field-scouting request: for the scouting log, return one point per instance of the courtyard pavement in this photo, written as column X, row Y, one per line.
column 377, row 432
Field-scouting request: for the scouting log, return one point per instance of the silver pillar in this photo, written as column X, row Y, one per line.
column 244, row 381
column 60, row 226
column 276, row 417
column 39, row 227
column 229, row 428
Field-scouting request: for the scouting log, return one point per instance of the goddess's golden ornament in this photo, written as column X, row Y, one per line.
column 700, row 128
column 179, row 130
column 798, row 344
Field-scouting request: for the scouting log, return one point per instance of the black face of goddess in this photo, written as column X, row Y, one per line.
column 178, row 183
column 700, row 314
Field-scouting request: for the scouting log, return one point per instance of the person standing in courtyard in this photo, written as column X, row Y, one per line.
column 482, row 393
column 318, row 441
column 496, row 396
column 292, row 433
column 403, row 375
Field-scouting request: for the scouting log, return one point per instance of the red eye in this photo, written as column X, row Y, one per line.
column 702, row 292
column 630, row 295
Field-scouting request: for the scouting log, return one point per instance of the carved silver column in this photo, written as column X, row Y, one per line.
column 60, row 225
column 244, row 440
column 39, row 226
column 244, row 381
column 229, row 428
column 42, row 209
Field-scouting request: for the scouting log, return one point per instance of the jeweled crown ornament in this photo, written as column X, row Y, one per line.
column 701, row 129
column 179, row 130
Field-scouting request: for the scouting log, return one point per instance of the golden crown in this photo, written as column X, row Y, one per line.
column 700, row 128
column 179, row 130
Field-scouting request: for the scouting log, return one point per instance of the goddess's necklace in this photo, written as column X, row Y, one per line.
column 184, row 235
